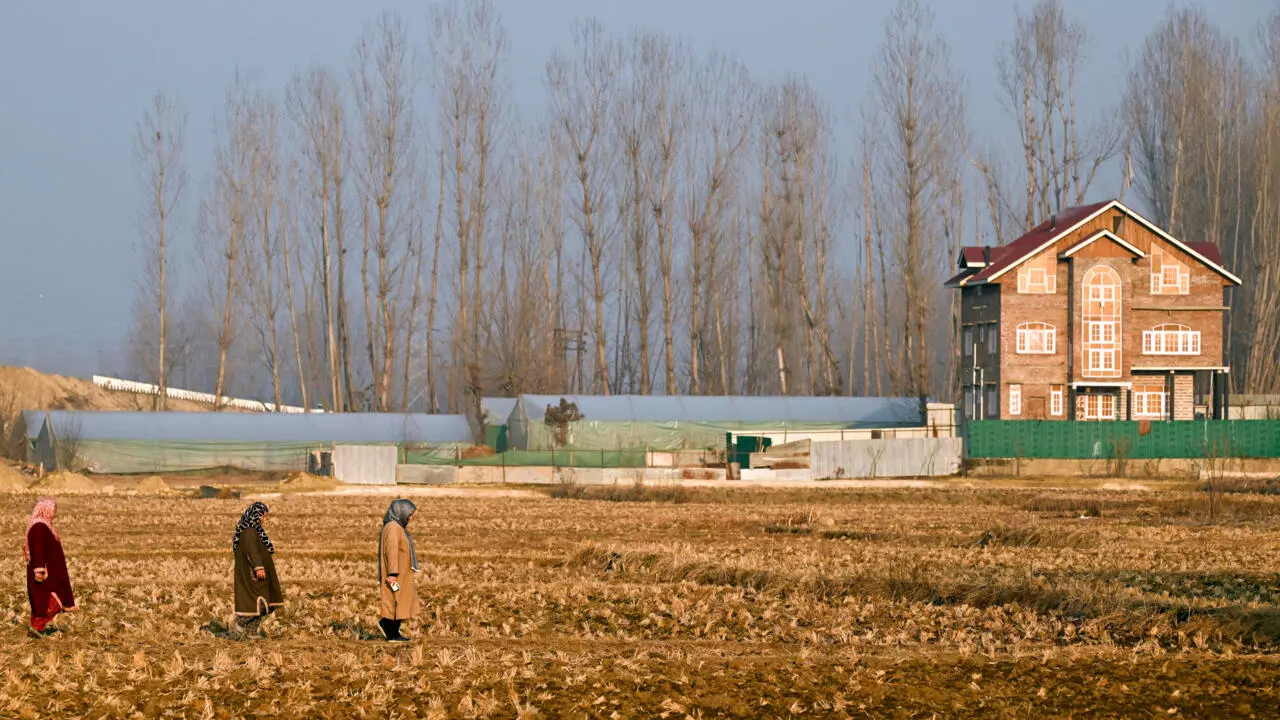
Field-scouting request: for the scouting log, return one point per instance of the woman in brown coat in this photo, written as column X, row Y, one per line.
column 257, row 587
column 397, row 562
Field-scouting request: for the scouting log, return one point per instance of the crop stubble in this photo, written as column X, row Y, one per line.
column 741, row 604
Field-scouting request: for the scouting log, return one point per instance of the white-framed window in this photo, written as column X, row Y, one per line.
column 1038, row 276
column 1037, row 338
column 1170, row 339
column 993, row 339
column 1015, row 399
column 1102, row 361
column 1102, row 293
column 1149, row 404
column 1102, row 331
column 993, row 402
column 1099, row 407
column 1168, row 275
column 968, row 342
column 1055, row 400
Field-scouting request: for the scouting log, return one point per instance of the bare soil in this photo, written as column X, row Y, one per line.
column 879, row 602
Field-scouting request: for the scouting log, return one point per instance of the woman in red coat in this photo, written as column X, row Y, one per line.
column 48, row 585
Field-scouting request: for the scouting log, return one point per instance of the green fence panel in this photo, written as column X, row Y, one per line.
column 537, row 458
column 1082, row 440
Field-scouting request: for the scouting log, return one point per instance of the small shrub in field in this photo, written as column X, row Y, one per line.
column 618, row 492
column 1031, row 536
column 1066, row 505
column 1239, row 486
column 567, row 487
column 558, row 418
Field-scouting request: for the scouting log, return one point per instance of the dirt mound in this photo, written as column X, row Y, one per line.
column 478, row 451
column 302, row 482
column 27, row 389
column 154, row 485
column 64, row 482
column 12, row 479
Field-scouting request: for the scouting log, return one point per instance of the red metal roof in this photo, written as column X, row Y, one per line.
column 1209, row 250
column 1000, row 259
column 974, row 255
column 1003, row 257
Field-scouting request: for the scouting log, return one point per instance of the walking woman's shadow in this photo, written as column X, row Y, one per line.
column 355, row 631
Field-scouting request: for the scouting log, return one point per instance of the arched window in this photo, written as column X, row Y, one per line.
column 1171, row 339
column 1102, row 289
column 1101, row 315
column 1037, row 338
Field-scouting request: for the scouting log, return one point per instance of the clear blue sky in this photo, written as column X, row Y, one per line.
column 77, row 76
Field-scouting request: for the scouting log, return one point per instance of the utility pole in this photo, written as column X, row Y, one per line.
column 572, row 341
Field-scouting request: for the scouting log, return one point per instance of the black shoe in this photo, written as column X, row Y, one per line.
column 400, row 639
column 34, row 633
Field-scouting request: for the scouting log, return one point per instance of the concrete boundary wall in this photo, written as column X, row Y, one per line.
column 895, row 457
column 541, row 475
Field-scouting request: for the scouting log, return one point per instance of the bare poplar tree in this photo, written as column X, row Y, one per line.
column 158, row 146
column 918, row 93
column 581, row 90
column 469, row 47
column 633, row 121
column 384, row 81
column 264, row 254
column 1199, row 150
column 226, row 218
column 1038, row 71
column 722, row 101
column 314, row 104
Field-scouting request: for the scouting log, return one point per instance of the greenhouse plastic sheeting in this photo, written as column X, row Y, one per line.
column 1161, row 439
column 125, row 457
column 371, row 428
column 633, row 422
column 128, row 442
column 496, row 410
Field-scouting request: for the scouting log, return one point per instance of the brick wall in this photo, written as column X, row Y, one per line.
column 1036, row 373
column 1184, row 397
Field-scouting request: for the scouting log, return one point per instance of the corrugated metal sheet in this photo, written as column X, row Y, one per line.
column 365, row 464
column 261, row 428
column 894, row 457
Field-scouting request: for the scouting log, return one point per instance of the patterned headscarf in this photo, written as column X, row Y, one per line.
column 399, row 513
column 252, row 518
column 42, row 513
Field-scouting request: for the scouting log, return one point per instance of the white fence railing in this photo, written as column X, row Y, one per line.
column 140, row 388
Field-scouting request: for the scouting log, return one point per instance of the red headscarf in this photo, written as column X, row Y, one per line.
column 43, row 512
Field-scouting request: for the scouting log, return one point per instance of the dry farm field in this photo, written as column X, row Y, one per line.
column 954, row 602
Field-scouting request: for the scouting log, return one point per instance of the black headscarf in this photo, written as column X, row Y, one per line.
column 252, row 518
column 399, row 513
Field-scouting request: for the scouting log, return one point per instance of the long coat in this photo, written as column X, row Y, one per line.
column 46, row 552
column 396, row 560
column 254, row 596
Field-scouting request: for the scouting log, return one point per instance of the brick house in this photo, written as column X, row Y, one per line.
column 1095, row 314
